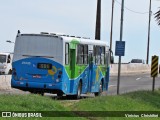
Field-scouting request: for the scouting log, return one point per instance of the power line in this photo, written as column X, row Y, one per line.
column 132, row 10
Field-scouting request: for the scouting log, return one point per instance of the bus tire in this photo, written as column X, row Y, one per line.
column 79, row 91
column 40, row 93
column 59, row 95
column 100, row 89
column 69, row 97
column 78, row 95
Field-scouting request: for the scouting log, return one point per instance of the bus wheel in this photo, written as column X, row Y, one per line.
column 79, row 90
column 40, row 93
column 59, row 95
column 78, row 95
column 100, row 90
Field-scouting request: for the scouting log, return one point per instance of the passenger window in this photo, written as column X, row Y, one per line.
column 102, row 55
column 107, row 58
column 85, row 54
column 66, row 53
column 82, row 54
column 99, row 55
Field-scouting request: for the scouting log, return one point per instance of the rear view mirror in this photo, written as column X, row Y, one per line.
column 111, row 57
column 112, row 60
column 8, row 61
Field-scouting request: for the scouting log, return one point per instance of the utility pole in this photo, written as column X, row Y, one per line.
column 111, row 24
column 121, row 34
column 149, row 25
column 98, row 21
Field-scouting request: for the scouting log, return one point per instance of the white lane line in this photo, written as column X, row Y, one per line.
column 138, row 78
column 112, row 85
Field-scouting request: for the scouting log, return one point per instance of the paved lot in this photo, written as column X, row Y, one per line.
column 128, row 83
column 133, row 82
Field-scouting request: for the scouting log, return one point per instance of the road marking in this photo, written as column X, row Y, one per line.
column 112, row 85
column 138, row 78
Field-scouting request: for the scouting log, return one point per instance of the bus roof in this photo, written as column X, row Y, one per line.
column 85, row 41
column 68, row 38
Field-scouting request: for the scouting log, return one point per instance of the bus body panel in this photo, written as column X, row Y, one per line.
column 32, row 50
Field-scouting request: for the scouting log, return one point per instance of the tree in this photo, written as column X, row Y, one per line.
column 157, row 16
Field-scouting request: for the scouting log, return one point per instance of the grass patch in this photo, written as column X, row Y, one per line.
column 37, row 103
column 29, row 103
column 143, row 101
column 134, row 101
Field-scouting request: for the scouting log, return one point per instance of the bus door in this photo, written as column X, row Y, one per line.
column 72, row 67
column 94, row 69
column 72, row 49
column 72, row 62
column 91, row 79
column 90, row 71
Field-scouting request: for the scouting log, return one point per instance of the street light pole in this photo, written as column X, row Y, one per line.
column 149, row 25
column 111, row 24
column 121, row 34
column 98, row 21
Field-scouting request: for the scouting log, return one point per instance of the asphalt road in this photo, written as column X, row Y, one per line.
column 128, row 83
column 132, row 82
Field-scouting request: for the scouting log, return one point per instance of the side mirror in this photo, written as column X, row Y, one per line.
column 8, row 61
column 112, row 60
column 111, row 56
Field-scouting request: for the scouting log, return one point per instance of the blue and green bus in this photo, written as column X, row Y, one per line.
column 60, row 64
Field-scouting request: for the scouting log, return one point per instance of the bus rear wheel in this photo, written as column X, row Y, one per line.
column 59, row 95
column 79, row 90
column 78, row 95
column 100, row 90
column 37, row 92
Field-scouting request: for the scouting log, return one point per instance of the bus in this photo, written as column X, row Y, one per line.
column 6, row 63
column 60, row 64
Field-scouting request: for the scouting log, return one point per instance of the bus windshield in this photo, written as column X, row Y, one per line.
column 2, row 58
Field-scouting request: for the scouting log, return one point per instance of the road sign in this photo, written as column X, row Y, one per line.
column 120, row 48
column 154, row 70
column 154, row 66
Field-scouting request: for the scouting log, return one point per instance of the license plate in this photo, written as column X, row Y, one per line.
column 36, row 76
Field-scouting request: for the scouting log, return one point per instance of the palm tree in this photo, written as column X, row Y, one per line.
column 157, row 16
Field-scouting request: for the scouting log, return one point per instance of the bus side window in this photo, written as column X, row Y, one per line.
column 80, row 54
column 107, row 58
column 85, row 54
column 8, row 59
column 102, row 55
column 94, row 54
column 66, row 53
column 98, row 55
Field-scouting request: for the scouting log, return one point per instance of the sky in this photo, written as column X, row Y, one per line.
column 78, row 17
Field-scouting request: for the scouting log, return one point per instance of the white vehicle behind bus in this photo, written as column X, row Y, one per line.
column 6, row 63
